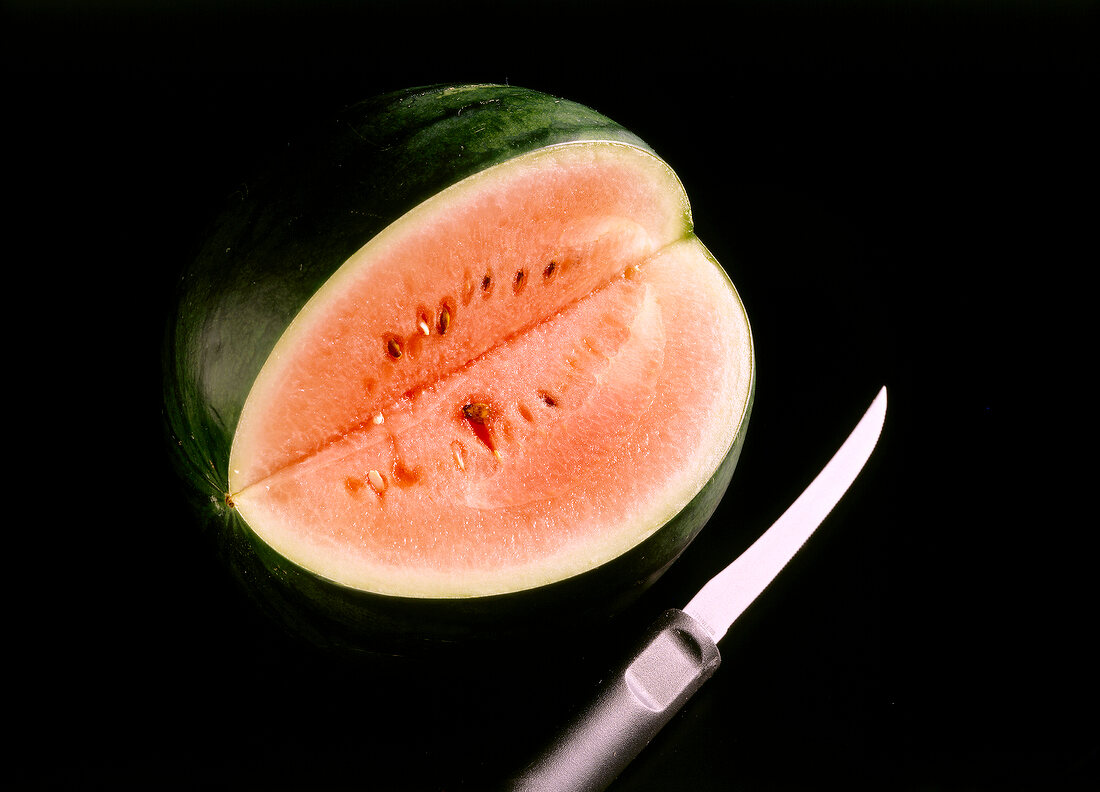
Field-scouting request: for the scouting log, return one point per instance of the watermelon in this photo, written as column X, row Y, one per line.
column 455, row 365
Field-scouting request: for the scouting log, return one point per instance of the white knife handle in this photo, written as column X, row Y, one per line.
column 675, row 658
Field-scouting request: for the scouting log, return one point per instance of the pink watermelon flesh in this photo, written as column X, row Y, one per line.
column 519, row 380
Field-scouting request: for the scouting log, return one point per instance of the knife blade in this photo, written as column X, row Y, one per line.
column 680, row 650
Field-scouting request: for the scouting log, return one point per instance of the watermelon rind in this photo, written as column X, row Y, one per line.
column 275, row 245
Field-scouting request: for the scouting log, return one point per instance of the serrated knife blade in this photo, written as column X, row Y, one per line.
column 680, row 651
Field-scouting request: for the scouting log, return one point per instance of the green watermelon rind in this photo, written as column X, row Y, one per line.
column 270, row 252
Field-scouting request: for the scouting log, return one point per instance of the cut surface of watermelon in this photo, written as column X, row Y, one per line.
column 517, row 381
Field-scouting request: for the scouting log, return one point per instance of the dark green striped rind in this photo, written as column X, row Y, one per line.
column 278, row 241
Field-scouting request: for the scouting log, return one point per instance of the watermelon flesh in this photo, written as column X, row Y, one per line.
column 522, row 378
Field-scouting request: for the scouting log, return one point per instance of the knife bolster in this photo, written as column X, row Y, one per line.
column 674, row 659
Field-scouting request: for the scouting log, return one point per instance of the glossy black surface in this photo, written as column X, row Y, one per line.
column 902, row 197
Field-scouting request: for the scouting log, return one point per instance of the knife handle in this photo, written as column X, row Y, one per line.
column 674, row 659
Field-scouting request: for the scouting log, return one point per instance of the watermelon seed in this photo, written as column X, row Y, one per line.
column 549, row 271
column 378, row 419
column 487, row 284
column 446, row 309
column 393, row 347
column 377, row 481
column 519, row 281
column 424, row 321
column 457, row 451
column 478, row 416
column 548, row 399
column 476, row 412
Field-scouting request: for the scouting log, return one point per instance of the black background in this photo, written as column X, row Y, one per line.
column 904, row 194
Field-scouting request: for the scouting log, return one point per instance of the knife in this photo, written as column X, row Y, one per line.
column 680, row 650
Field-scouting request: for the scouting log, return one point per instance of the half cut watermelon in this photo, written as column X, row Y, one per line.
column 531, row 376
